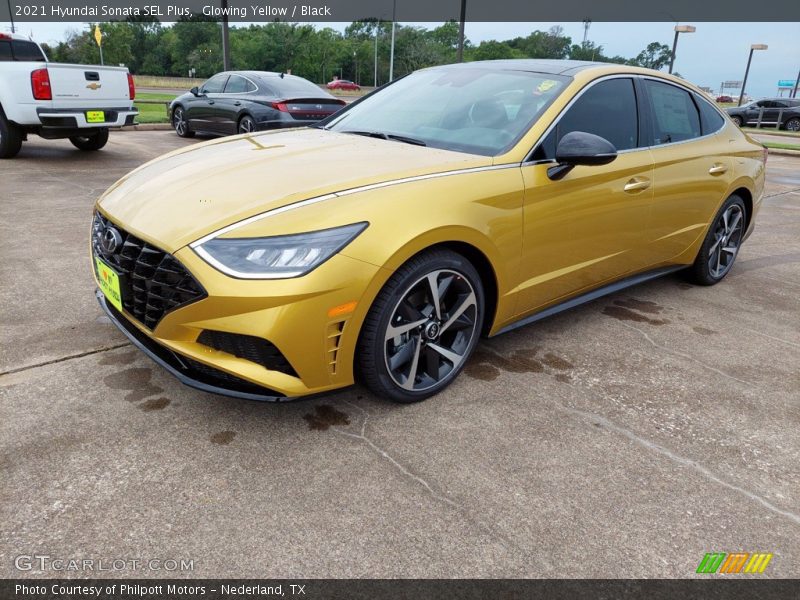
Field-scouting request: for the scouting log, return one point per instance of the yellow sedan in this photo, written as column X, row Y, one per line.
column 457, row 202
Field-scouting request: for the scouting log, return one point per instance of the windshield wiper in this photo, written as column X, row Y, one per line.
column 387, row 136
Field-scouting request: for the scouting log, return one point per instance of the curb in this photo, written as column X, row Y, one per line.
column 147, row 127
column 783, row 152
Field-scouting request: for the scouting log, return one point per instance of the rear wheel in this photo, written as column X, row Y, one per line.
column 422, row 327
column 722, row 243
column 247, row 124
column 180, row 124
column 793, row 124
column 10, row 138
column 737, row 121
column 92, row 142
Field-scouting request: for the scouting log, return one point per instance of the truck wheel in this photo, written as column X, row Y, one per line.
column 10, row 138
column 90, row 142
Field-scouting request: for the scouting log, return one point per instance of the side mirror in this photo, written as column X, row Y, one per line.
column 194, row 91
column 581, row 148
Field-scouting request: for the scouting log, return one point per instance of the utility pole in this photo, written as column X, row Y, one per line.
column 586, row 24
column 796, row 85
column 377, row 29
column 462, row 19
column 391, row 51
column 226, row 48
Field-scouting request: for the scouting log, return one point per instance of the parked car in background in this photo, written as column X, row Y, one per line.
column 57, row 101
column 783, row 113
column 458, row 201
column 343, row 84
column 244, row 101
column 725, row 99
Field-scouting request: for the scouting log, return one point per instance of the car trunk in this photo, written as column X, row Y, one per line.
column 84, row 86
column 312, row 109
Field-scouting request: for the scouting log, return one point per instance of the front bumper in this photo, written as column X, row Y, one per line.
column 187, row 372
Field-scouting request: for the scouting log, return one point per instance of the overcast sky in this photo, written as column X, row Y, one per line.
column 716, row 52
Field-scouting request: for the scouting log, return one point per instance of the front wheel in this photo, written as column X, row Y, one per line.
column 737, row 121
column 247, row 124
column 793, row 124
column 91, row 142
column 722, row 243
column 180, row 124
column 422, row 327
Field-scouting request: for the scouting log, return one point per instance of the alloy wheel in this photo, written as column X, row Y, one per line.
column 247, row 125
column 431, row 330
column 728, row 237
column 179, row 122
column 793, row 125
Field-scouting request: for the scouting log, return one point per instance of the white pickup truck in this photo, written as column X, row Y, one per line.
column 58, row 101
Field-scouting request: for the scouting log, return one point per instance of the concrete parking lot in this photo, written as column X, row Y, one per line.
column 625, row 438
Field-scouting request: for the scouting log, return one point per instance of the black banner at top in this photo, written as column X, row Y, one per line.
column 244, row 11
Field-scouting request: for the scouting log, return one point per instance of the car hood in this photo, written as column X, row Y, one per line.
column 187, row 194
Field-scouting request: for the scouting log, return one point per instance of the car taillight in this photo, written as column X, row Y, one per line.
column 131, row 87
column 40, row 85
column 281, row 106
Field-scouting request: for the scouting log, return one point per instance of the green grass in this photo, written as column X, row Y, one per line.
column 152, row 112
column 779, row 146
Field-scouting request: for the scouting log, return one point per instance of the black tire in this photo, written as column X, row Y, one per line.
column 441, row 345
column 792, row 124
column 247, row 124
column 737, row 121
column 92, row 142
column 721, row 246
column 180, row 124
column 10, row 138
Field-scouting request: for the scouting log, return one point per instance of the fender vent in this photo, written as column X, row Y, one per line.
column 334, row 343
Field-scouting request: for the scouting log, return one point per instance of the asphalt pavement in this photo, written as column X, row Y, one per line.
column 625, row 438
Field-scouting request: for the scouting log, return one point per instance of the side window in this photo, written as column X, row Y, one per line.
column 250, row 86
column 780, row 104
column 26, row 51
column 607, row 109
column 215, row 85
column 5, row 51
column 236, row 85
column 675, row 117
column 711, row 120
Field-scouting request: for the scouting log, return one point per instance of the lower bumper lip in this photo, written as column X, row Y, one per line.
column 181, row 367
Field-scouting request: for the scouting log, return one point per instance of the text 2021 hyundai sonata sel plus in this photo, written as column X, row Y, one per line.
column 456, row 202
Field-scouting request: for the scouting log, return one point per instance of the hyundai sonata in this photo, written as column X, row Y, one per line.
column 456, row 202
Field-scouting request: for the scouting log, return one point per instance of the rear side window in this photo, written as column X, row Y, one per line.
column 20, row 50
column 607, row 109
column 675, row 117
column 710, row 119
column 236, row 85
column 26, row 51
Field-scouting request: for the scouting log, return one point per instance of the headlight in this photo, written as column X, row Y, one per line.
column 276, row 257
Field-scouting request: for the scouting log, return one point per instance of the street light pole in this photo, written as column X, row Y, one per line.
column 747, row 70
column 679, row 29
column 391, row 51
column 375, row 81
column 796, row 85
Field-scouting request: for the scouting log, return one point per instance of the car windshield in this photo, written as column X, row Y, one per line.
column 475, row 110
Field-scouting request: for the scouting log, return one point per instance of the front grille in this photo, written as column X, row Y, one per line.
column 152, row 281
column 254, row 349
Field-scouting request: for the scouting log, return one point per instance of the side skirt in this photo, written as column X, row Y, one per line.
column 591, row 295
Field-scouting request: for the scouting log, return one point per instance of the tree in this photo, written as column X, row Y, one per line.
column 655, row 56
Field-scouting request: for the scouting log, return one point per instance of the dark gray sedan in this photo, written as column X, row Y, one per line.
column 244, row 101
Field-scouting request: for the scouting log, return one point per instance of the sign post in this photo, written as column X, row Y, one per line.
column 98, row 37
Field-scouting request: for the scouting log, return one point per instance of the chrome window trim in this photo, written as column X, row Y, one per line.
column 239, row 93
column 346, row 192
column 558, row 118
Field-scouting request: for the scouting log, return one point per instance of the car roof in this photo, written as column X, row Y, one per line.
column 534, row 65
column 259, row 74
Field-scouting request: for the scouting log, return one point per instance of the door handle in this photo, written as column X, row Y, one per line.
column 211, row 102
column 718, row 169
column 237, row 103
column 636, row 184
